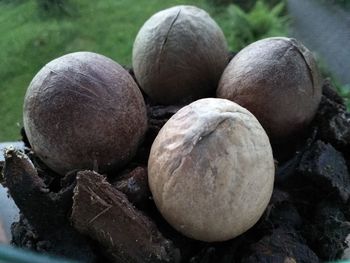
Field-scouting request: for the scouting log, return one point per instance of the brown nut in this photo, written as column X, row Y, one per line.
column 179, row 55
column 84, row 110
column 277, row 80
column 211, row 170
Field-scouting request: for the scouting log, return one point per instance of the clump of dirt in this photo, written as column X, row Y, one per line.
column 112, row 218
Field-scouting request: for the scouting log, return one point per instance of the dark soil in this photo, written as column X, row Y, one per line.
column 112, row 218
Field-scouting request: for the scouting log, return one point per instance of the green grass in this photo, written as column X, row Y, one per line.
column 244, row 27
column 30, row 39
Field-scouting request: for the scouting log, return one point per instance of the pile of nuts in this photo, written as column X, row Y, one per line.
column 211, row 167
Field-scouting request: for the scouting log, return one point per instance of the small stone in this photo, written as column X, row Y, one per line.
column 332, row 119
column 328, row 231
column 281, row 246
column 326, row 168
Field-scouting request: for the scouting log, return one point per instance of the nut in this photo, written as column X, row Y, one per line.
column 179, row 55
column 277, row 80
column 211, row 170
column 83, row 111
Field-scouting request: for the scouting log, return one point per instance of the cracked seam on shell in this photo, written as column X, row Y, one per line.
column 166, row 38
column 300, row 49
column 203, row 135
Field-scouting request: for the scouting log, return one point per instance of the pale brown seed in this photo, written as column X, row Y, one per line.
column 211, row 170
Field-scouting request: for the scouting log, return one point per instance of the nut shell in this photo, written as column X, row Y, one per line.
column 179, row 55
column 84, row 111
column 211, row 170
column 277, row 80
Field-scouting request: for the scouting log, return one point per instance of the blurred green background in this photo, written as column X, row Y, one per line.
column 33, row 32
